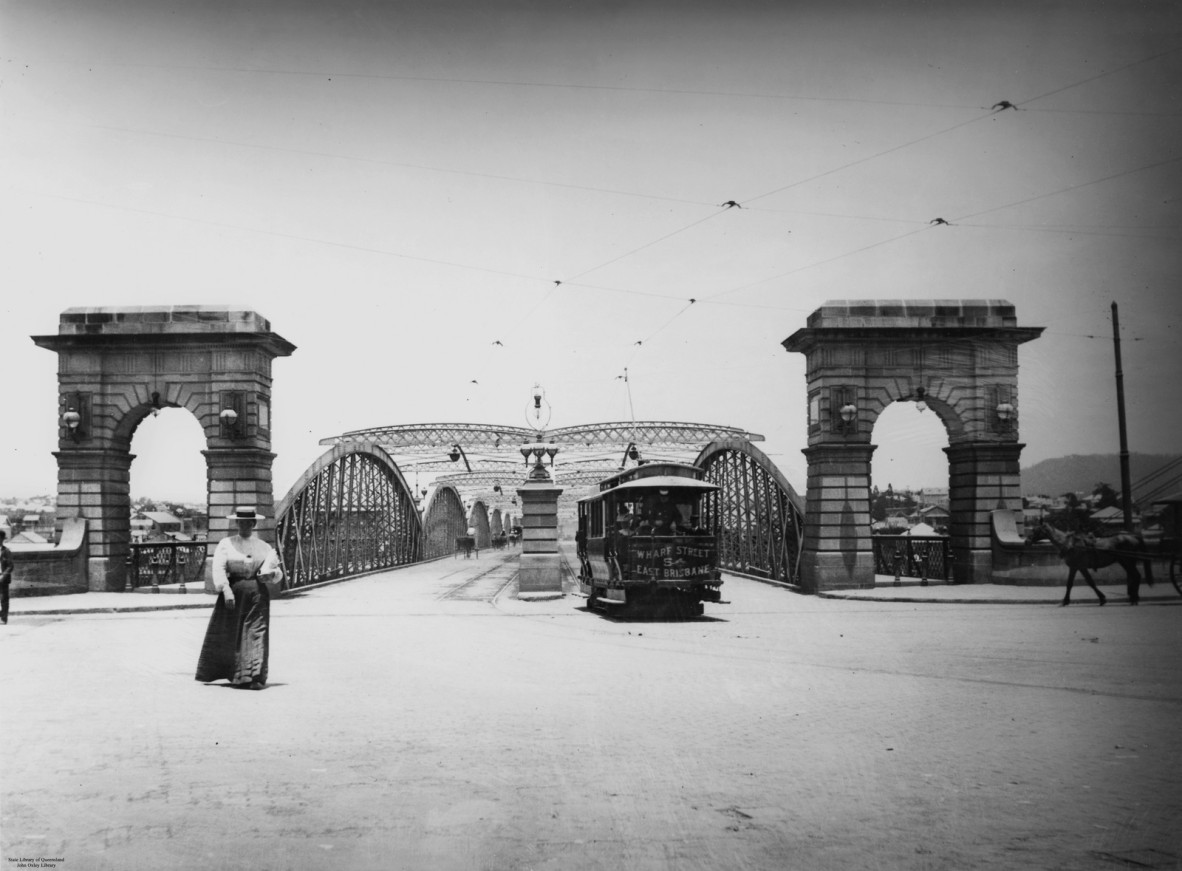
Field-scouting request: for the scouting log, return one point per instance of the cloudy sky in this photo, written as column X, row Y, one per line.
column 399, row 185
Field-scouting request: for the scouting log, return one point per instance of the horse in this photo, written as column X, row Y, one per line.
column 1083, row 551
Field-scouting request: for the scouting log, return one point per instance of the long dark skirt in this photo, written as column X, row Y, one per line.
column 237, row 642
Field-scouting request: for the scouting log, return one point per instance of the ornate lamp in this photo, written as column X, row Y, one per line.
column 849, row 417
column 920, row 395
column 73, row 420
column 455, row 454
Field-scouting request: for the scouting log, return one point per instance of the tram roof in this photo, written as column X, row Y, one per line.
column 657, row 482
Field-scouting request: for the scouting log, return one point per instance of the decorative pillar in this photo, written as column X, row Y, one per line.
column 837, row 553
column 541, row 565
column 982, row 477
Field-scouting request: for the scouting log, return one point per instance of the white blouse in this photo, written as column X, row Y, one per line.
column 237, row 558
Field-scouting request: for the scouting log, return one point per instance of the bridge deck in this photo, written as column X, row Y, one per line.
column 417, row 720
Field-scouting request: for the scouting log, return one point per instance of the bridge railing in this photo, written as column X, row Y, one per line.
column 913, row 556
column 157, row 563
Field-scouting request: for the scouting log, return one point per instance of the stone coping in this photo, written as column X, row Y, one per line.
column 107, row 320
column 914, row 313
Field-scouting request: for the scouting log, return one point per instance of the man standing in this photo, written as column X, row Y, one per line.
column 5, row 576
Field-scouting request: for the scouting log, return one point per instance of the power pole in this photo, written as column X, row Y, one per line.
column 1126, row 495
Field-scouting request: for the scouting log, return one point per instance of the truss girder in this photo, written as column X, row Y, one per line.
column 758, row 515
column 650, row 432
column 351, row 512
column 443, row 522
column 427, row 436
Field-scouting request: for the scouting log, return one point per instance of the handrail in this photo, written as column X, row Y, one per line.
column 165, row 562
column 912, row 556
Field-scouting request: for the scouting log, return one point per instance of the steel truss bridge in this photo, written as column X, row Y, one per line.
column 354, row 512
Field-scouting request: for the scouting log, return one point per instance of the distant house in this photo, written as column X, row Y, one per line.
column 934, row 496
column 1113, row 518
column 156, row 526
column 935, row 516
column 28, row 537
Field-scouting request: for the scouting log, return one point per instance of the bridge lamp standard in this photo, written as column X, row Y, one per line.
column 539, row 450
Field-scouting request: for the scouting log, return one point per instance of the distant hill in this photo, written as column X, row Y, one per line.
column 1080, row 473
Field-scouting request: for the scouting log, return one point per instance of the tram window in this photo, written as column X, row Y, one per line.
column 595, row 510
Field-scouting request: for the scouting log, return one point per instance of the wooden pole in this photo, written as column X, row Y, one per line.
column 1126, row 495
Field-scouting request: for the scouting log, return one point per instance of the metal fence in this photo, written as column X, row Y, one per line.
column 913, row 556
column 160, row 563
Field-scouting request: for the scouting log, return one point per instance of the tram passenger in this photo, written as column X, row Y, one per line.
column 666, row 518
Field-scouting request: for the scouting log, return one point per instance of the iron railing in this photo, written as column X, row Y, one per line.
column 159, row 563
column 913, row 556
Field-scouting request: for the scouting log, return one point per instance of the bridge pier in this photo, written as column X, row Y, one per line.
column 983, row 477
column 837, row 553
column 94, row 484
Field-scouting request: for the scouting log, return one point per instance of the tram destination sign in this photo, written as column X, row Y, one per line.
column 684, row 559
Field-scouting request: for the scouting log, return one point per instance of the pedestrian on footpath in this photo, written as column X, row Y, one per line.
column 5, row 577
column 237, row 641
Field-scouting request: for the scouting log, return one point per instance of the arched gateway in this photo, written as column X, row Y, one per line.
column 115, row 367
column 960, row 358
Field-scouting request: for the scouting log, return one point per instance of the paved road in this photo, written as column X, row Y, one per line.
column 427, row 719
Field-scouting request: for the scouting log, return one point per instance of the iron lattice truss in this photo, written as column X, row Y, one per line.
column 490, row 455
column 443, row 522
column 353, row 516
column 758, row 516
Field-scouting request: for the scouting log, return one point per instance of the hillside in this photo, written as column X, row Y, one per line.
column 1080, row 473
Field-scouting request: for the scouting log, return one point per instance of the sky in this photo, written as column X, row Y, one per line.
column 442, row 204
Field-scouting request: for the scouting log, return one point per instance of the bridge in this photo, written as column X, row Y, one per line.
column 360, row 508
column 354, row 512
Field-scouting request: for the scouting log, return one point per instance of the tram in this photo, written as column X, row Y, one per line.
column 645, row 546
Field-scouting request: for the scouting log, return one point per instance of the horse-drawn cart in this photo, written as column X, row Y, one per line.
column 1160, row 543
column 1169, row 546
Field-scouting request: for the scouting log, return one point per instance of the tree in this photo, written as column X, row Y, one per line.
column 1105, row 495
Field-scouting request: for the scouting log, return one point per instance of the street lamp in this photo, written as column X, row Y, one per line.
column 73, row 420
column 1005, row 415
column 456, row 453
column 849, row 414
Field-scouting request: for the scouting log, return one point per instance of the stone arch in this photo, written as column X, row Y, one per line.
column 115, row 365
column 758, row 514
column 351, row 512
column 444, row 520
column 960, row 357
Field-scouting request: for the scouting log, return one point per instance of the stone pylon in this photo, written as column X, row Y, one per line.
column 541, row 565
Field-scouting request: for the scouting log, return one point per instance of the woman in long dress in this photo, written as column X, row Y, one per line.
column 236, row 644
